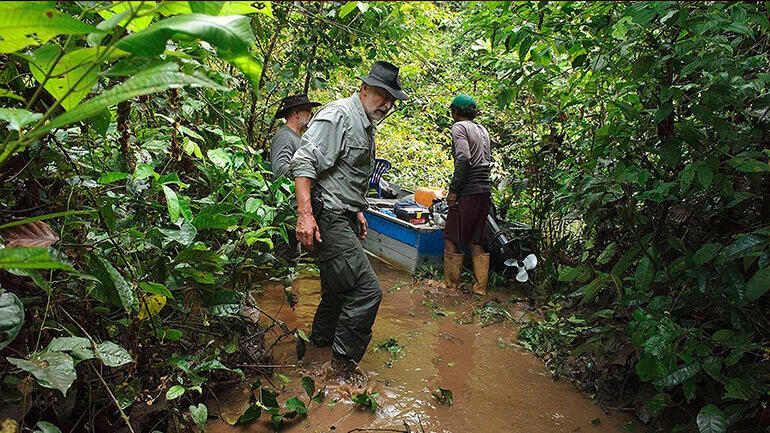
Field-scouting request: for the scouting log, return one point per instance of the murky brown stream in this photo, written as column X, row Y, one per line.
column 496, row 387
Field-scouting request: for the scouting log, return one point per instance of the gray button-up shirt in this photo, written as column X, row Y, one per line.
column 282, row 148
column 337, row 151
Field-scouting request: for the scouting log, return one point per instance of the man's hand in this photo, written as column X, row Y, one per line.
column 451, row 200
column 362, row 223
column 307, row 230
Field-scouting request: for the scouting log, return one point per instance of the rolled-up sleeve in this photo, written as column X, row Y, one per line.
column 321, row 145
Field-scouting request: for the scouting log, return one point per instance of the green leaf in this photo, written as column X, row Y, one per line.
column 758, row 284
column 80, row 348
column 228, row 33
column 18, row 118
column 224, row 303
column 134, row 15
column 73, row 75
column 219, row 157
column 679, row 376
column 711, row 420
column 5, row 93
column 568, row 274
column 296, row 405
column 644, row 274
column 144, row 83
column 11, row 317
column 444, row 396
column 28, row 23
column 29, row 258
column 55, row 370
column 206, row 7
column 174, row 392
column 156, row 289
column 308, row 385
column 124, row 289
column 704, row 174
column 46, row 427
column 252, row 413
column 749, row 165
column 172, row 202
column 739, row 247
column 648, row 369
column 663, row 112
column 199, row 414
column 706, row 253
column 112, row 355
column 216, row 222
column 607, row 254
column 347, row 8
column 112, row 176
column 184, row 236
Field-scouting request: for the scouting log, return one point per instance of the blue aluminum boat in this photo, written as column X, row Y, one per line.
column 400, row 243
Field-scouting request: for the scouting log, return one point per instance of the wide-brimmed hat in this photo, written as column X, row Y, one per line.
column 292, row 101
column 385, row 75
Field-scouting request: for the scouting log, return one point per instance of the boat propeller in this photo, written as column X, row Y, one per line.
column 522, row 267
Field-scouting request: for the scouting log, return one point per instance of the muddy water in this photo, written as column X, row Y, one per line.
column 496, row 387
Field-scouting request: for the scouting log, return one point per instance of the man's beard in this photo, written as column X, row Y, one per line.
column 376, row 114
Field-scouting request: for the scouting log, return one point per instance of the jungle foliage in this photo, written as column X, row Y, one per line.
column 638, row 137
column 136, row 212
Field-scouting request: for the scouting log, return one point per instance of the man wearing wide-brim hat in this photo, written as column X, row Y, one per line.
column 297, row 110
column 332, row 168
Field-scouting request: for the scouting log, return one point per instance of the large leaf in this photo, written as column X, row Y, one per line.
column 739, row 247
column 29, row 258
column 644, row 274
column 80, row 348
column 711, row 420
column 18, row 118
column 123, row 288
column 172, row 202
column 11, row 317
column 54, row 370
column 199, row 414
column 112, row 355
column 73, row 75
column 34, row 234
column 758, row 284
column 206, row 7
column 33, row 23
column 134, row 15
column 231, row 34
column 144, row 83
column 46, row 427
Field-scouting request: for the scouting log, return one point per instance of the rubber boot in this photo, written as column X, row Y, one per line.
column 453, row 266
column 481, row 272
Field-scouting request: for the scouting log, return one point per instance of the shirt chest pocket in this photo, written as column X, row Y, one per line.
column 360, row 159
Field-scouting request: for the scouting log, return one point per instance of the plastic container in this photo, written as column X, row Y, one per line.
column 424, row 195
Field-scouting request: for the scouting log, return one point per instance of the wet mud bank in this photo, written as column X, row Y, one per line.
column 422, row 340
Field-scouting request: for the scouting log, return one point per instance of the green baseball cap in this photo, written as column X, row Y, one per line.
column 463, row 101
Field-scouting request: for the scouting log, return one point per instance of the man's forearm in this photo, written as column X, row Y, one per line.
column 302, row 190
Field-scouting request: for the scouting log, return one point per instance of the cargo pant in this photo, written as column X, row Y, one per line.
column 350, row 291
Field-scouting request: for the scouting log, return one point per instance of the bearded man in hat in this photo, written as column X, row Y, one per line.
column 297, row 110
column 332, row 169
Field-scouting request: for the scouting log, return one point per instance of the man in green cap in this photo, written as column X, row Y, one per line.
column 469, row 195
column 332, row 168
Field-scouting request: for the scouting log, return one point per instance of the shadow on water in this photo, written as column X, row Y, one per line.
column 496, row 387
